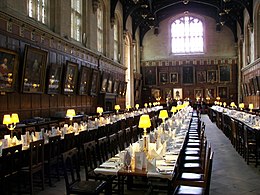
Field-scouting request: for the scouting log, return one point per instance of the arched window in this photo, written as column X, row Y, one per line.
column 116, row 40
column 100, row 29
column 38, row 9
column 187, row 35
column 76, row 19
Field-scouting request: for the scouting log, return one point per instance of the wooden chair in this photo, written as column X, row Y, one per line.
column 121, row 139
column 74, row 184
column 113, row 145
column 128, row 135
column 134, row 134
column 103, row 149
column 197, row 187
column 251, row 148
column 10, row 169
column 52, row 157
column 36, row 163
column 68, row 142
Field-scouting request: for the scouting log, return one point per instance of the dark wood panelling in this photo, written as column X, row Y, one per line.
column 59, row 50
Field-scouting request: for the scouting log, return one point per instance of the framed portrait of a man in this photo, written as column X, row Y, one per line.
column 198, row 93
column 211, row 76
column 223, row 92
column 201, row 76
column 163, row 77
column 150, row 75
column 174, row 77
column 225, row 73
column 8, row 70
column 187, row 74
column 210, row 93
column 177, row 93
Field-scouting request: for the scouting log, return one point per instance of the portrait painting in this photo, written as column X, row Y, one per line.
column 115, row 86
column 177, row 93
column 104, row 82
column 167, row 94
column 54, row 79
column 110, row 84
column 210, row 93
column 201, row 76
column 155, row 93
column 198, row 93
column 223, row 92
column 94, row 82
column 84, row 80
column 150, row 75
column 211, row 76
column 34, row 70
column 70, row 78
column 187, row 75
column 8, row 70
column 163, row 77
column 225, row 73
column 174, row 77
column 256, row 85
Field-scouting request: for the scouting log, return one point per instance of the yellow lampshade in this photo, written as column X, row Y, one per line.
column 144, row 121
column 117, row 107
column 70, row 113
column 163, row 114
column 174, row 109
column 241, row 105
column 137, row 106
column 15, row 118
column 232, row 104
column 251, row 106
column 128, row 107
column 99, row 110
column 7, row 119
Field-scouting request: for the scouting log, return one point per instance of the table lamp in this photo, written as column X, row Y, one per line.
column 241, row 106
column 251, row 107
column 174, row 109
column 117, row 108
column 145, row 122
column 232, row 104
column 150, row 104
column 224, row 104
column 100, row 110
column 128, row 107
column 163, row 115
column 145, row 105
column 70, row 113
column 137, row 106
column 10, row 122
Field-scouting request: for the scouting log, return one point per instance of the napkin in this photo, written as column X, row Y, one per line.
column 155, row 154
column 151, row 165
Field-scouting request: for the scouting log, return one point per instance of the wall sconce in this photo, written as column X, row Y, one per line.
column 145, row 123
column 10, row 122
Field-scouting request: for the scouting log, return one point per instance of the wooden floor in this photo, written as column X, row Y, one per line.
column 231, row 175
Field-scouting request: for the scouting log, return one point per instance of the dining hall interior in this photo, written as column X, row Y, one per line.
column 129, row 97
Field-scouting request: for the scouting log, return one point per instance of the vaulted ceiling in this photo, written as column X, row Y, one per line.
column 147, row 14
